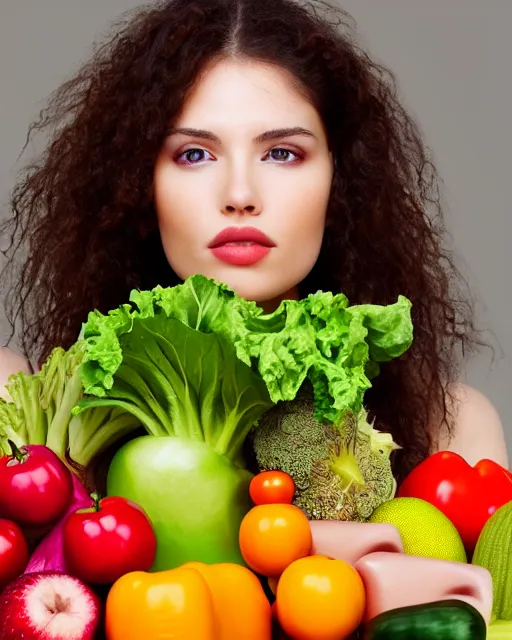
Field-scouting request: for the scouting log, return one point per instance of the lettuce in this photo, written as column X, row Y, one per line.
column 169, row 357
column 198, row 361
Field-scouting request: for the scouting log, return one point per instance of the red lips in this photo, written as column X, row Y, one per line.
column 241, row 246
column 241, row 234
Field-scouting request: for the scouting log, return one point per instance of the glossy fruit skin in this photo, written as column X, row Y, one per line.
column 109, row 540
column 242, row 609
column 443, row 620
column 197, row 601
column 44, row 589
column 195, row 497
column 467, row 495
column 175, row 602
column 320, row 599
column 272, row 536
column 36, row 490
column 13, row 552
column 272, row 487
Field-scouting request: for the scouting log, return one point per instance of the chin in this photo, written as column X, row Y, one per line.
column 263, row 288
column 264, row 284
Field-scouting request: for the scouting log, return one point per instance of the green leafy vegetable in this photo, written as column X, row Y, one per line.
column 40, row 411
column 320, row 337
column 181, row 382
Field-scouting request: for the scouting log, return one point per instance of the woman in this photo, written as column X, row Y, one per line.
column 202, row 115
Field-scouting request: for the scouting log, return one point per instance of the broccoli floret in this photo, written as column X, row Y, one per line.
column 341, row 472
column 288, row 439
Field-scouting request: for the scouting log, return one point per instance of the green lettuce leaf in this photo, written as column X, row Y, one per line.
column 337, row 346
column 198, row 361
column 183, row 382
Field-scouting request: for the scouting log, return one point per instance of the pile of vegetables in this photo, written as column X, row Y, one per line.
column 197, row 366
column 247, row 416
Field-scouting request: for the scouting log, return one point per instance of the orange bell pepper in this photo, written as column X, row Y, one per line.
column 195, row 601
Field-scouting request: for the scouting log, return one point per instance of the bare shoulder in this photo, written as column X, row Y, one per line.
column 10, row 363
column 478, row 430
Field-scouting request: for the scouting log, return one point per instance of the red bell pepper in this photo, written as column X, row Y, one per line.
column 467, row 495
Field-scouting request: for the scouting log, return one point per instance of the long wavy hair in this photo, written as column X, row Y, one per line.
column 83, row 229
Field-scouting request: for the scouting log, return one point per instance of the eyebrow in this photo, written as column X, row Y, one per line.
column 267, row 136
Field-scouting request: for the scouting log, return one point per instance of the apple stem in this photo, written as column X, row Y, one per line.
column 96, row 500
column 17, row 453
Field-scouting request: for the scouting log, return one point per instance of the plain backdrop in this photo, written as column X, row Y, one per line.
column 452, row 60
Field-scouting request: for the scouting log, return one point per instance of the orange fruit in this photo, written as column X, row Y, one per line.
column 272, row 536
column 320, row 599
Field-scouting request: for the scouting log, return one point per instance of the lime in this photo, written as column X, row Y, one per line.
column 425, row 530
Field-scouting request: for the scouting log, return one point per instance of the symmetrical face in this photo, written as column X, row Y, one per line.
column 242, row 182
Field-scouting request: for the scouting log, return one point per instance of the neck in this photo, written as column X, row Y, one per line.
column 270, row 306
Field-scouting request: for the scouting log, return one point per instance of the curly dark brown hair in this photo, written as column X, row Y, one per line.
column 83, row 225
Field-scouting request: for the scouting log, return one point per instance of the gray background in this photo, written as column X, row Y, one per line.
column 452, row 59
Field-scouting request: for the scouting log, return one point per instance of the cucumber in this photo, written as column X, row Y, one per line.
column 443, row 620
column 493, row 552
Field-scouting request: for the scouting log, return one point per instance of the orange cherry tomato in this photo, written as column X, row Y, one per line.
column 272, row 536
column 320, row 599
column 272, row 487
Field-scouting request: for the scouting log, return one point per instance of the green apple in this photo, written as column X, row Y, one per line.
column 195, row 497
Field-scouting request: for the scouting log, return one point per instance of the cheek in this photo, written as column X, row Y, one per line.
column 175, row 205
column 304, row 214
column 178, row 218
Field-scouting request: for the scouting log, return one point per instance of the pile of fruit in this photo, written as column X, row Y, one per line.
column 286, row 590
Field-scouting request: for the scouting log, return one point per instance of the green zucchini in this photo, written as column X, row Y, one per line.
column 443, row 620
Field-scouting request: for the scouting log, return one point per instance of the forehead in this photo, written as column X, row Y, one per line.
column 246, row 93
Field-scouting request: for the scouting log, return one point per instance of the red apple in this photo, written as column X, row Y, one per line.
column 112, row 537
column 13, row 552
column 35, row 486
column 48, row 606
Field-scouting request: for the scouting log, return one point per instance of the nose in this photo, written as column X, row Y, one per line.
column 233, row 208
column 241, row 194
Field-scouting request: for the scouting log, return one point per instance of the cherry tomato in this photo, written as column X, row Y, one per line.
column 13, row 552
column 274, row 535
column 35, row 486
column 272, row 487
column 320, row 599
column 111, row 538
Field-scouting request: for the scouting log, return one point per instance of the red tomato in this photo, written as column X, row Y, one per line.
column 13, row 552
column 35, row 486
column 272, row 487
column 112, row 538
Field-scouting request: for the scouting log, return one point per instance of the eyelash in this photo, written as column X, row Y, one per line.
column 298, row 155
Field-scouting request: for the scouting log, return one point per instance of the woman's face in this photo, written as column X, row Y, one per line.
column 246, row 158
